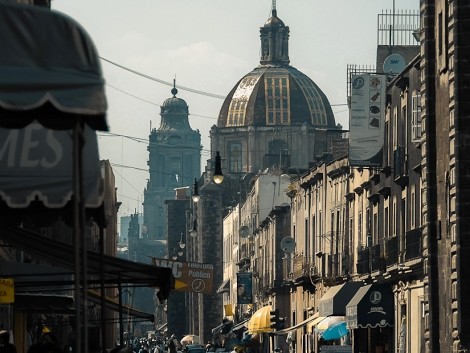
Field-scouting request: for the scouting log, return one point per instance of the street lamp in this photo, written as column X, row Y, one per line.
column 181, row 243
column 196, row 197
column 174, row 255
column 218, row 177
column 193, row 230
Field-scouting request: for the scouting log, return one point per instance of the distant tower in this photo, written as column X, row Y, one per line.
column 174, row 162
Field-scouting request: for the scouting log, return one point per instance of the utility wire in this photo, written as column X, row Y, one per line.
column 152, row 103
column 164, row 82
column 208, row 94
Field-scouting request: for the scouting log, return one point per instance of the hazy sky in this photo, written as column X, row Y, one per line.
column 208, row 45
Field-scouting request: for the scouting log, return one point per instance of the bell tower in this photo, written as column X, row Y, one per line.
column 174, row 162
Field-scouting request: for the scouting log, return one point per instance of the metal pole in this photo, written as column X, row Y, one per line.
column 76, row 233
column 103, row 292
column 121, row 326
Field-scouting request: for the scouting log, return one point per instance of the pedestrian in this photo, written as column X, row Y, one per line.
column 47, row 344
column 172, row 344
column 5, row 345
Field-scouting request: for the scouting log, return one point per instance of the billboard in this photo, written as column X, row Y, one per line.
column 189, row 276
column 244, row 288
column 367, row 119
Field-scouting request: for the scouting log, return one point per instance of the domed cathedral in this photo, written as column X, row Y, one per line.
column 275, row 116
column 174, row 162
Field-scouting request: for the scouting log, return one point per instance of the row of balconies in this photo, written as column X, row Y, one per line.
column 380, row 256
column 394, row 251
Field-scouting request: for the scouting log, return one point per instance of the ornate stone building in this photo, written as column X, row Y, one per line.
column 445, row 73
column 275, row 116
column 174, row 161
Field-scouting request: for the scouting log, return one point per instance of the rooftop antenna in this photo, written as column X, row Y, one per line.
column 174, row 90
column 273, row 8
column 392, row 30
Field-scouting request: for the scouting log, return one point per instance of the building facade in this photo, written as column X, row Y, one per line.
column 174, row 161
column 275, row 116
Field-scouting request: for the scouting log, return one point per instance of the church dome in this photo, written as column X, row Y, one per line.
column 174, row 105
column 274, row 21
column 275, row 93
column 271, row 96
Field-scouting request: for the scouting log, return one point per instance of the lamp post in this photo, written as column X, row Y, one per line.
column 218, row 177
column 182, row 245
column 174, row 254
column 196, row 197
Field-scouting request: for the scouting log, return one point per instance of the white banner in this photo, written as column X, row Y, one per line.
column 367, row 119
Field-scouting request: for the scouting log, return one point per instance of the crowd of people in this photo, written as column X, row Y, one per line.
column 48, row 343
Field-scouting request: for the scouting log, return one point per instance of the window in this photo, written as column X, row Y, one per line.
column 387, row 143
column 416, row 117
column 235, row 157
column 402, row 226
column 376, row 228
column 277, row 100
column 386, row 223
column 413, row 208
column 395, row 128
column 359, row 227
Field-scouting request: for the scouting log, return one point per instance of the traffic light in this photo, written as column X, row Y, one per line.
column 281, row 323
column 274, row 318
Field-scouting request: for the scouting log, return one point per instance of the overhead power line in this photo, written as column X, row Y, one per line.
column 164, row 82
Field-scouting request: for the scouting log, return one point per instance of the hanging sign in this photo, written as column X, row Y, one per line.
column 7, row 291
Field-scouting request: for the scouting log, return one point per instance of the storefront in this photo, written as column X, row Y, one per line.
column 331, row 332
column 369, row 315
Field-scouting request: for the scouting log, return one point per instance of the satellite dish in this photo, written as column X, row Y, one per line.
column 244, row 231
column 394, row 64
column 288, row 244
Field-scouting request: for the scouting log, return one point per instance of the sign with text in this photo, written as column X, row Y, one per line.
column 7, row 290
column 367, row 120
column 189, row 276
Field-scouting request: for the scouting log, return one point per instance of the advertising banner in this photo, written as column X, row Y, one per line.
column 190, row 276
column 367, row 118
column 244, row 288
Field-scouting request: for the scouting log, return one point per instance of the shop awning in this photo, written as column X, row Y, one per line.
column 44, row 303
column 224, row 328
column 240, row 325
column 261, row 320
column 372, row 306
column 299, row 325
column 36, row 169
column 50, row 70
column 115, row 270
column 113, row 304
column 224, row 287
column 40, row 288
column 334, row 301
